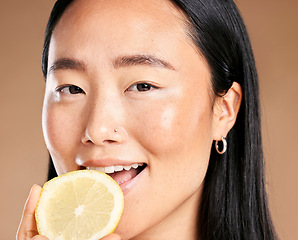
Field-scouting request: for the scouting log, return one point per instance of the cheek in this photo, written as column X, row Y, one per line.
column 62, row 134
column 183, row 123
column 180, row 137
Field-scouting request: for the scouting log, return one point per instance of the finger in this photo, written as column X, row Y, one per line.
column 39, row 237
column 112, row 236
column 27, row 228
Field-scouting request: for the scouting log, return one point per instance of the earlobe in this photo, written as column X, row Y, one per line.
column 229, row 106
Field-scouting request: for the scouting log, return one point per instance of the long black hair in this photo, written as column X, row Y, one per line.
column 234, row 202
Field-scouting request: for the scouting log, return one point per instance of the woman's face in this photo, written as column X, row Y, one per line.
column 125, row 85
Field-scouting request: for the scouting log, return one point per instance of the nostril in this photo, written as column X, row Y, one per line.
column 109, row 141
column 88, row 141
column 82, row 167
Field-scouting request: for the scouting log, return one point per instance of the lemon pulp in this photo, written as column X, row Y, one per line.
column 79, row 205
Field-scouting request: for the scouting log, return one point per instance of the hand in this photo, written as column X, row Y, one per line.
column 28, row 229
column 112, row 236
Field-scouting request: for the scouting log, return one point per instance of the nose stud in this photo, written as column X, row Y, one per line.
column 98, row 136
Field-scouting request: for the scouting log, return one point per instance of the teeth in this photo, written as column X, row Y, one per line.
column 127, row 168
column 135, row 165
column 112, row 169
column 100, row 169
column 118, row 168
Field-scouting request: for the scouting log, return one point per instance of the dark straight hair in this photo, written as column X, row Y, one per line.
column 234, row 202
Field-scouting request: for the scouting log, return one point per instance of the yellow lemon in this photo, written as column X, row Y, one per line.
column 79, row 205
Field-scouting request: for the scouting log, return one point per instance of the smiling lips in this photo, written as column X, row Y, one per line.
column 121, row 174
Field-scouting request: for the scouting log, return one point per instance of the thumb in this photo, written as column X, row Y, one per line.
column 39, row 237
column 112, row 236
column 27, row 228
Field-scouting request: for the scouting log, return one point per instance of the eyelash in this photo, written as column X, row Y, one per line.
column 70, row 89
column 139, row 87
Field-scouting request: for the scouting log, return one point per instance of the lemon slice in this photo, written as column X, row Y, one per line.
column 79, row 205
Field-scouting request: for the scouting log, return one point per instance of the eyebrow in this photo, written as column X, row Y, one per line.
column 122, row 61
column 66, row 63
column 141, row 59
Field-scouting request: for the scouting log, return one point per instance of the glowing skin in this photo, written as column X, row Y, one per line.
column 170, row 126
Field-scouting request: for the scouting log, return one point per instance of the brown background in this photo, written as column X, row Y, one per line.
column 273, row 27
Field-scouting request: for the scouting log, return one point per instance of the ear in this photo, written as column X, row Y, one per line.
column 225, row 110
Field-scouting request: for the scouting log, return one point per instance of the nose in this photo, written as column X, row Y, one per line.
column 104, row 122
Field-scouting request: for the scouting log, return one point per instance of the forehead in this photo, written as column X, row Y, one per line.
column 120, row 19
column 97, row 31
column 160, row 10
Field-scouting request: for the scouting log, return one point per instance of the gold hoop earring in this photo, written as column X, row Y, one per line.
column 224, row 146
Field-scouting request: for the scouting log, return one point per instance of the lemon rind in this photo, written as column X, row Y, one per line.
column 115, row 214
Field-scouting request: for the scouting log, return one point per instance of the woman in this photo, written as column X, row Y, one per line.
column 170, row 86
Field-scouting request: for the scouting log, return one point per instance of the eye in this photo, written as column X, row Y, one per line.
column 141, row 87
column 70, row 89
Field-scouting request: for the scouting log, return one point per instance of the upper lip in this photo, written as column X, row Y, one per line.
column 107, row 162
